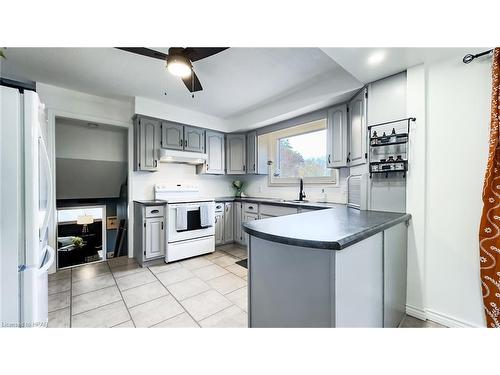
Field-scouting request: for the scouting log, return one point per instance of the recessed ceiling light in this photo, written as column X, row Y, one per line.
column 376, row 58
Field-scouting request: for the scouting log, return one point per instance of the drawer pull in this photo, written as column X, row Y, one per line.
column 155, row 211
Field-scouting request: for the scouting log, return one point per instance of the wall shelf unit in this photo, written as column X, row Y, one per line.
column 389, row 153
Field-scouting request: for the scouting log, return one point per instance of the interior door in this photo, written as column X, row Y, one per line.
column 172, row 135
column 215, row 152
column 357, row 129
column 154, row 237
column 194, row 139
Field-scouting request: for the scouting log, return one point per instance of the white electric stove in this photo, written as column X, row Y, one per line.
column 193, row 239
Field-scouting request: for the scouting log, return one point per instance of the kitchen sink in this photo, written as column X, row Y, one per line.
column 295, row 201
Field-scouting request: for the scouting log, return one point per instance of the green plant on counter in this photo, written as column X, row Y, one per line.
column 238, row 186
column 2, row 54
column 77, row 241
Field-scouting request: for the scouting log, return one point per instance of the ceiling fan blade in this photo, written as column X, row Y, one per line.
column 198, row 53
column 145, row 52
column 192, row 83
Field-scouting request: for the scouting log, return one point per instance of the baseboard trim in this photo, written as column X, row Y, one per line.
column 448, row 321
column 445, row 320
column 416, row 312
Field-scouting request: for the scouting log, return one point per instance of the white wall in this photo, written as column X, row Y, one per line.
column 209, row 185
column 77, row 141
column 416, row 191
column 257, row 186
column 173, row 113
column 457, row 108
column 64, row 100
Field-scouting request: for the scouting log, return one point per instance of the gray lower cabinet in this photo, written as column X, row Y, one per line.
column 236, row 154
column 219, row 228
column 238, row 232
column 146, row 144
column 172, row 135
column 215, row 154
column 267, row 210
column 337, row 137
column 149, row 232
column 228, row 222
column 356, row 130
column 246, row 217
column 224, row 223
column 194, row 139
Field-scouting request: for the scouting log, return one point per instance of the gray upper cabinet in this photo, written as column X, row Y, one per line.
column 194, row 139
column 252, row 152
column 236, row 154
column 147, row 141
column 357, row 129
column 215, row 154
column 172, row 135
column 337, row 137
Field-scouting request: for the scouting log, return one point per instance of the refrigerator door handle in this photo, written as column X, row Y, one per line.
column 50, row 186
column 49, row 259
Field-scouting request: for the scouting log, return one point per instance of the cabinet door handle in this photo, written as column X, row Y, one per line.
column 254, row 167
column 180, row 142
column 244, row 168
column 162, row 225
column 329, row 159
column 216, row 220
column 185, row 143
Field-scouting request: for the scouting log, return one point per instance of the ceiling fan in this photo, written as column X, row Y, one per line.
column 180, row 61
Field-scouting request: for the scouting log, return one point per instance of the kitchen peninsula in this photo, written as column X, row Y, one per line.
column 337, row 267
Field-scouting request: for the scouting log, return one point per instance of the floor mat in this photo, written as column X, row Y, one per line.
column 242, row 263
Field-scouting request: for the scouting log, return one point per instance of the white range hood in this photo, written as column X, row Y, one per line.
column 182, row 157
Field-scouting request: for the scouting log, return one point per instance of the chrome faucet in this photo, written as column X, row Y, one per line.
column 302, row 195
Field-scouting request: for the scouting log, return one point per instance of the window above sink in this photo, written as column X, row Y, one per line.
column 300, row 152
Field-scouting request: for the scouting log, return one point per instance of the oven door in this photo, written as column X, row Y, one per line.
column 194, row 230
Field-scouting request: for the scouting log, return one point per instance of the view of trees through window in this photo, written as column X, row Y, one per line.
column 303, row 155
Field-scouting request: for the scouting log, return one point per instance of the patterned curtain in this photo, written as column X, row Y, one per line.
column 489, row 232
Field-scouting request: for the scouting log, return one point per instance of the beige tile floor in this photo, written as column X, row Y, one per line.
column 205, row 291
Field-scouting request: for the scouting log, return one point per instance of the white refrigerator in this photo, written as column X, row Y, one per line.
column 26, row 193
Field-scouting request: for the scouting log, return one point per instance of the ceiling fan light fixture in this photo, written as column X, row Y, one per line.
column 179, row 66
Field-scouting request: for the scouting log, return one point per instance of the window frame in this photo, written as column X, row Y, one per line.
column 273, row 146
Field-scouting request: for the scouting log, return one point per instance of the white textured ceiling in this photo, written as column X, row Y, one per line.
column 357, row 61
column 245, row 87
column 234, row 81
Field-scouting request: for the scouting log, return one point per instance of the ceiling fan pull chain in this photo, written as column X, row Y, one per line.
column 192, row 82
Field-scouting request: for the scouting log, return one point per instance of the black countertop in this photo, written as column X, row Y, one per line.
column 281, row 202
column 332, row 229
column 152, row 202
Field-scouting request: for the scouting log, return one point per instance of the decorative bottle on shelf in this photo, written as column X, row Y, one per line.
column 393, row 135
